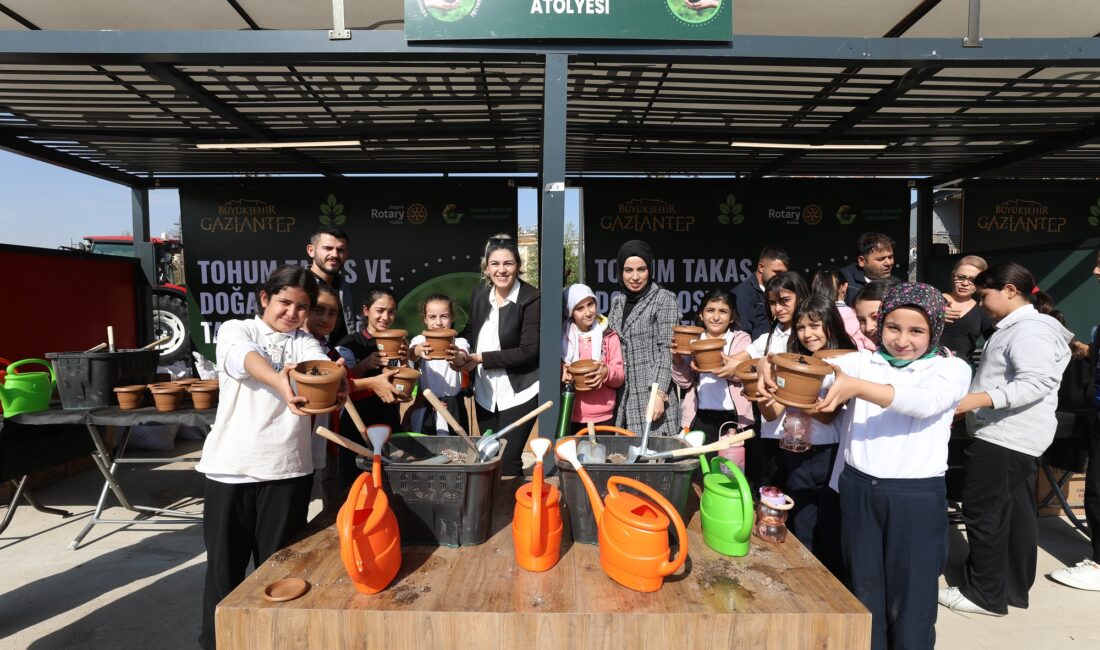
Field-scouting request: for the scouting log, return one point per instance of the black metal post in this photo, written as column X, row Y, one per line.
column 925, row 199
column 552, row 233
column 145, row 252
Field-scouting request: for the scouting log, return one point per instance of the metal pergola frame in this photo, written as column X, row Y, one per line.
column 139, row 66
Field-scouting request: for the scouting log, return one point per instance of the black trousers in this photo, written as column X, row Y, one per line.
column 815, row 517
column 763, row 465
column 1092, row 490
column 581, row 428
column 242, row 523
column 512, row 463
column 1001, row 526
column 894, row 542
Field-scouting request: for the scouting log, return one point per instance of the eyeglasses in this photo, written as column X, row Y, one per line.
column 501, row 241
column 964, row 279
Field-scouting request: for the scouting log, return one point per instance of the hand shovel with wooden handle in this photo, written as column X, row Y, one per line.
column 590, row 451
column 695, row 449
column 489, row 445
column 441, row 408
column 634, row 452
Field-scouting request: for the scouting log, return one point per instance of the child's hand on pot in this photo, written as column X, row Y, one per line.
column 382, row 387
column 765, row 381
column 599, row 377
column 287, row 392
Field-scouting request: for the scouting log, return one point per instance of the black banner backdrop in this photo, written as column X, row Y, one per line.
column 417, row 239
column 708, row 233
column 1010, row 216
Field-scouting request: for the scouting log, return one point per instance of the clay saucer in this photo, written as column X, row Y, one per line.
column 318, row 411
column 285, row 589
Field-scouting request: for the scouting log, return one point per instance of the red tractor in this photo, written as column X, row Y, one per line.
column 169, row 294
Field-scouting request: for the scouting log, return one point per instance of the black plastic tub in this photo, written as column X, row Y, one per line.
column 671, row 478
column 439, row 505
column 88, row 379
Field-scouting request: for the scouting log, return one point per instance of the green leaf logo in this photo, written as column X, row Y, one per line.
column 451, row 214
column 1094, row 210
column 333, row 212
column 731, row 211
column 845, row 215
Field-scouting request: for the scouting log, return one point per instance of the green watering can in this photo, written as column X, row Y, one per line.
column 27, row 392
column 726, row 508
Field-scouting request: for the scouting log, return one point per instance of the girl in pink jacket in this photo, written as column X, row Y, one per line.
column 587, row 336
column 712, row 404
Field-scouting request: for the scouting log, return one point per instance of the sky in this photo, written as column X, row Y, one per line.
column 48, row 206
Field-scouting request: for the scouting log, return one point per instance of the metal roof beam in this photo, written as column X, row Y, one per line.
column 911, row 79
column 297, row 46
column 208, row 100
column 48, row 155
column 1026, row 152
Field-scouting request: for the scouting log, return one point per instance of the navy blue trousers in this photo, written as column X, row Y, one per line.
column 815, row 517
column 894, row 542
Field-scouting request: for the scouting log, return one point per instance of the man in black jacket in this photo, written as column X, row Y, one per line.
column 874, row 262
column 748, row 295
column 328, row 250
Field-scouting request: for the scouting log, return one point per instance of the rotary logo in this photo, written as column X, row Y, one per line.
column 811, row 214
column 416, row 214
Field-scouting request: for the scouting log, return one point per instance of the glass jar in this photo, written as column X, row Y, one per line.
column 771, row 515
column 797, row 426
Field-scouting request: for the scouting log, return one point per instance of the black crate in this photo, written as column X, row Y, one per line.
column 88, row 379
column 439, row 505
column 671, row 478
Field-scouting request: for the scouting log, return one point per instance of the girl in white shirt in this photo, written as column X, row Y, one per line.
column 815, row 517
column 257, row 458
column 892, row 491
column 784, row 292
column 437, row 375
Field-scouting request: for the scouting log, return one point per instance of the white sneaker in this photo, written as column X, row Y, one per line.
column 1086, row 575
column 954, row 599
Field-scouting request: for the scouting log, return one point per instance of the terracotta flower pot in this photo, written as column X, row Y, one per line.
column 799, row 378
column 747, row 373
column 404, row 381
column 831, row 354
column 318, row 382
column 683, row 335
column 130, row 397
column 187, row 381
column 204, row 396
column 167, row 396
column 438, row 340
column 582, row 370
column 390, row 342
column 708, row 353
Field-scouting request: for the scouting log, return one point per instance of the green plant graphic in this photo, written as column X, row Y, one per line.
column 333, row 212
column 1094, row 220
column 451, row 213
column 731, row 211
column 845, row 215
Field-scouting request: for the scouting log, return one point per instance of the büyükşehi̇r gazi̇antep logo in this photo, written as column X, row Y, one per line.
column 731, row 211
column 451, row 214
column 845, row 215
column 1094, row 214
column 333, row 212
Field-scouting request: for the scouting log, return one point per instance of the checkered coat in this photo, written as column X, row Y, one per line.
column 646, row 336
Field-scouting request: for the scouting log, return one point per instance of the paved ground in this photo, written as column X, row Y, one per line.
column 139, row 586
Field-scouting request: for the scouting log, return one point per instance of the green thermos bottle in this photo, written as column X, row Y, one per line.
column 568, row 393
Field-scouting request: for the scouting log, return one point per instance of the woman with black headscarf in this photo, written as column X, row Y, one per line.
column 643, row 316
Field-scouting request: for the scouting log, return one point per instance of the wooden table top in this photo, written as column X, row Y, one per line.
column 485, row 580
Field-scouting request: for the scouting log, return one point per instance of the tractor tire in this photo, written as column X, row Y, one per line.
column 170, row 319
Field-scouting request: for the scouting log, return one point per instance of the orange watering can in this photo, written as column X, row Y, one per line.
column 536, row 526
column 633, row 531
column 370, row 542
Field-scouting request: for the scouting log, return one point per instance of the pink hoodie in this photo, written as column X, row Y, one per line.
column 851, row 326
column 599, row 405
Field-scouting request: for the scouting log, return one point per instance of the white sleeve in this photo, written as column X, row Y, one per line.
column 311, row 350
column 939, row 389
column 462, row 344
column 758, row 348
column 234, row 343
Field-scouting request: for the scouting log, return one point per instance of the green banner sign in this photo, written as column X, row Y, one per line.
column 1010, row 216
column 706, row 234
column 416, row 239
column 665, row 20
